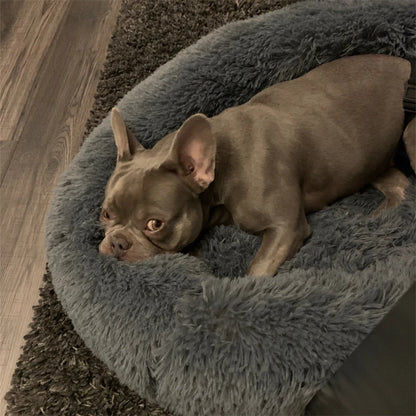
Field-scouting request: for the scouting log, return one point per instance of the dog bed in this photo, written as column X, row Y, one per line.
column 194, row 334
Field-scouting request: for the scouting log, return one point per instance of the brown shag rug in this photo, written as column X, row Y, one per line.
column 56, row 374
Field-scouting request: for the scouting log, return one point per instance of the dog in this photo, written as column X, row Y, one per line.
column 292, row 149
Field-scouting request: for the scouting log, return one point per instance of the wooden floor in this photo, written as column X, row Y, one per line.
column 51, row 55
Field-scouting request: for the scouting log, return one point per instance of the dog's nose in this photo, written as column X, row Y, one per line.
column 119, row 245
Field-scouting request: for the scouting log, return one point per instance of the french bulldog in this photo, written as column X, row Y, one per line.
column 293, row 148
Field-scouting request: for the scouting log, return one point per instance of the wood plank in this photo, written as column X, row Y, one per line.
column 33, row 25
column 33, row 30
column 68, row 51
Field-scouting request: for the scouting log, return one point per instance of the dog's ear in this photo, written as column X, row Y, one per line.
column 126, row 143
column 193, row 152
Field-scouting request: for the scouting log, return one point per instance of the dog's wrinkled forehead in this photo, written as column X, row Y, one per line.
column 125, row 188
column 132, row 188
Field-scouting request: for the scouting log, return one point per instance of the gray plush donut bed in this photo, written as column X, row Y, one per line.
column 194, row 334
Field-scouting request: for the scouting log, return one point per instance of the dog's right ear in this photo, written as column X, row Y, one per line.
column 192, row 153
column 126, row 143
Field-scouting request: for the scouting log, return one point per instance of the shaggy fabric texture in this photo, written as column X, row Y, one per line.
column 57, row 374
column 188, row 333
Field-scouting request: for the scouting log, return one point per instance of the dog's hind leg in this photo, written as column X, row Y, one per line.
column 393, row 184
column 409, row 139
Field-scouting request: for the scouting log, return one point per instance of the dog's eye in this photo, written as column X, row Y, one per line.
column 154, row 225
column 105, row 214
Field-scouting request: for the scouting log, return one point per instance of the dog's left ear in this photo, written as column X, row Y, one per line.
column 193, row 151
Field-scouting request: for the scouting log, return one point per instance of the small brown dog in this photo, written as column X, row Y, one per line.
column 293, row 148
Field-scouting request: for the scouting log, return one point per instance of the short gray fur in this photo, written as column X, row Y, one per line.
column 186, row 332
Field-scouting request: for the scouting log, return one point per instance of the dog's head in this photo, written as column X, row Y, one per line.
column 152, row 202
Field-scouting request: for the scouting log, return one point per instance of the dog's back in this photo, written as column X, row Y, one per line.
column 337, row 127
